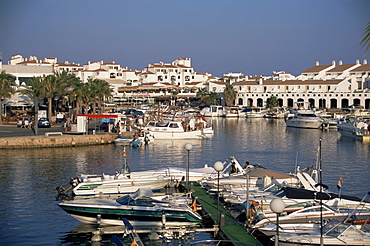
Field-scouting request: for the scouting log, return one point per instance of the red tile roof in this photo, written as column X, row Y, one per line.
column 316, row 69
column 341, row 68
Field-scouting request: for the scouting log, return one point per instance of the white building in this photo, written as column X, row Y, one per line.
column 330, row 86
column 324, row 86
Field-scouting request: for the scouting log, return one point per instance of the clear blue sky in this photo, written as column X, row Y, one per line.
column 250, row 36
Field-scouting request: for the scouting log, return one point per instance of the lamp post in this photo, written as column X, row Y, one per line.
column 188, row 147
column 218, row 166
column 277, row 206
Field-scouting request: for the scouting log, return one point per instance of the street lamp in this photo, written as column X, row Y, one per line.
column 218, row 166
column 277, row 206
column 188, row 147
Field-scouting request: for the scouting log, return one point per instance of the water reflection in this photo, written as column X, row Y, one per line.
column 28, row 207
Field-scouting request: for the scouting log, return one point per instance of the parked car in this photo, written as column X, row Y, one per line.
column 44, row 122
column 24, row 121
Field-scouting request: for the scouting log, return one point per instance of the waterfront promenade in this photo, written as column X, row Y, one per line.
column 12, row 137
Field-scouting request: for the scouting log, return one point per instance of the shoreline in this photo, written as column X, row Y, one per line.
column 55, row 140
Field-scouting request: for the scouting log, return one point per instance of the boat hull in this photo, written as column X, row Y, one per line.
column 177, row 135
column 119, row 186
column 312, row 124
column 146, row 216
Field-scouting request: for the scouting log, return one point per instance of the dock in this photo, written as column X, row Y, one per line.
column 229, row 227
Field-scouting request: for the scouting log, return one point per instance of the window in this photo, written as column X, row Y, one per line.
column 160, row 78
column 187, row 78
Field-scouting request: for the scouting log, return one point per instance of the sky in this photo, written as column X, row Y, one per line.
column 253, row 37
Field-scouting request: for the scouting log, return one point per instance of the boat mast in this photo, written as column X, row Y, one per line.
column 320, row 177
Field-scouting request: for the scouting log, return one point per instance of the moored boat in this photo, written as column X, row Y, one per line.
column 304, row 119
column 333, row 233
column 313, row 213
column 174, row 130
column 354, row 127
column 122, row 182
column 138, row 208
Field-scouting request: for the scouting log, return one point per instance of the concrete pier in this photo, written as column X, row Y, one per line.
column 13, row 137
column 55, row 141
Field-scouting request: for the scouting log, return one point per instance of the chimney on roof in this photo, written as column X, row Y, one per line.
column 333, row 63
column 357, row 61
column 340, row 62
column 365, row 61
column 261, row 81
column 113, row 61
column 317, row 63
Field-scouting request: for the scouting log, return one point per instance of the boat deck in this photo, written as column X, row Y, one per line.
column 232, row 229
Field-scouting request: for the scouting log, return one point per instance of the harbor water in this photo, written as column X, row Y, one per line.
column 29, row 213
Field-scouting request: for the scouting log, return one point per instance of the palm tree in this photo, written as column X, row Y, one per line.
column 99, row 91
column 365, row 42
column 78, row 92
column 35, row 90
column 229, row 95
column 212, row 98
column 51, row 90
column 6, row 90
column 57, row 85
column 66, row 81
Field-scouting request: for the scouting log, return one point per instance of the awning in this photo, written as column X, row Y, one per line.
column 99, row 116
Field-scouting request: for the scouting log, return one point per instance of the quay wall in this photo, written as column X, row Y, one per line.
column 55, row 141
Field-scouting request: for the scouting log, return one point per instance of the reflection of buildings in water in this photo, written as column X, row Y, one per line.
column 81, row 162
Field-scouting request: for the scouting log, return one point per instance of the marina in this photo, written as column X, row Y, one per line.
column 260, row 141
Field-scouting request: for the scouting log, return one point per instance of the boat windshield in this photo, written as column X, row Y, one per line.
column 125, row 200
column 307, row 115
column 334, row 228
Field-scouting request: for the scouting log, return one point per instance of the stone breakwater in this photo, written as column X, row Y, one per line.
column 55, row 141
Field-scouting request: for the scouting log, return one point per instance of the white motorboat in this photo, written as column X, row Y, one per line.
column 139, row 208
column 313, row 213
column 122, row 182
column 333, row 233
column 117, row 184
column 304, row 119
column 255, row 112
column 232, row 112
column 330, row 123
column 174, row 130
column 353, row 127
column 212, row 111
column 123, row 140
column 197, row 174
column 277, row 113
column 270, row 230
